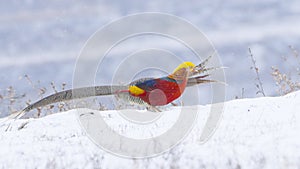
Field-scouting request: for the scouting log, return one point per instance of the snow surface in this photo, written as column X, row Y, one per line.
column 252, row 133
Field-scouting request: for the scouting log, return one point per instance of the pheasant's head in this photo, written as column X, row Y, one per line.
column 183, row 70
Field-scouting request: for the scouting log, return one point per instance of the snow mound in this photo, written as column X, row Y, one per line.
column 252, row 133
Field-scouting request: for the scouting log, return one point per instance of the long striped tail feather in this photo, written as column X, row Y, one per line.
column 67, row 95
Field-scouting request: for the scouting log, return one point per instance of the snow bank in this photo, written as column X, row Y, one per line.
column 253, row 133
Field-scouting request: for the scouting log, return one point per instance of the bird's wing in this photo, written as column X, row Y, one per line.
column 147, row 84
column 150, row 84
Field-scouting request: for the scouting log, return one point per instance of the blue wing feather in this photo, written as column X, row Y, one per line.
column 151, row 84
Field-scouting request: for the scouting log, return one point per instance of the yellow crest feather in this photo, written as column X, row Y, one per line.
column 184, row 65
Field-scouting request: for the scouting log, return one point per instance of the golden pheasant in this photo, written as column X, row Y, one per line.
column 150, row 92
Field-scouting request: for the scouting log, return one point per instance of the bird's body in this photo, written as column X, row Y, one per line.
column 160, row 91
column 153, row 92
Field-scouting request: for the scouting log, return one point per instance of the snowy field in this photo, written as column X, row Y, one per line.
column 252, row 133
column 43, row 40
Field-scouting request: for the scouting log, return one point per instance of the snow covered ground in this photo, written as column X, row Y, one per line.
column 252, row 133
